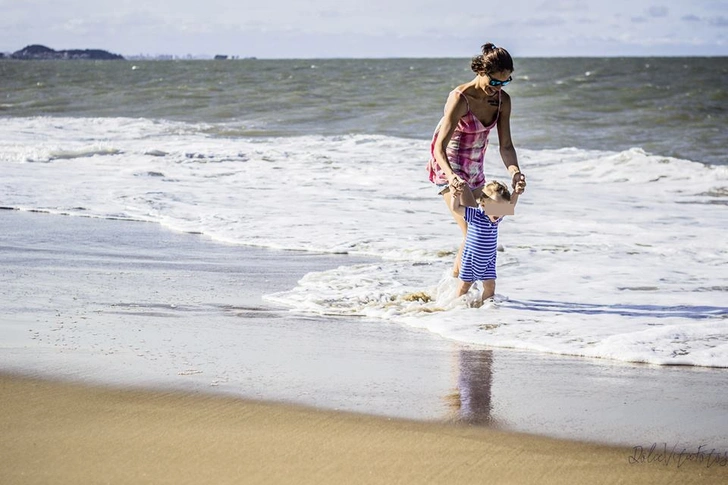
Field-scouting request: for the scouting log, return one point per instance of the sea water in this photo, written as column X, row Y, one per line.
column 617, row 250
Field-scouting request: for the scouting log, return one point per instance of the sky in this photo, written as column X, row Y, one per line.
column 369, row 28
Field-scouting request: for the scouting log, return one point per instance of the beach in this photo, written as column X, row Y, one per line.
column 66, row 433
column 132, row 353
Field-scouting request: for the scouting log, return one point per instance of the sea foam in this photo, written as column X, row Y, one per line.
column 616, row 255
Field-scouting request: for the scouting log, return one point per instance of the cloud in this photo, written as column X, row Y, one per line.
column 370, row 28
column 719, row 5
column 658, row 11
column 563, row 6
column 329, row 14
column 691, row 18
column 544, row 21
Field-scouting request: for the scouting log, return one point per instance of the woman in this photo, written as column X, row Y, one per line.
column 458, row 145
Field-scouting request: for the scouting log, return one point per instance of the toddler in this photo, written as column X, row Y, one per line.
column 479, row 253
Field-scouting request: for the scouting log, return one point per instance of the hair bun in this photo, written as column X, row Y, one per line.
column 477, row 64
column 492, row 59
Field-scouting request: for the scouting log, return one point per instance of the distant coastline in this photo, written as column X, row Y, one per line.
column 41, row 52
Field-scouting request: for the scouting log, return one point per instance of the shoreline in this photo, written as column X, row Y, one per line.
column 153, row 310
column 71, row 433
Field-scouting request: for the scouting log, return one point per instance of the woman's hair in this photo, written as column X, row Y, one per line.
column 495, row 190
column 493, row 59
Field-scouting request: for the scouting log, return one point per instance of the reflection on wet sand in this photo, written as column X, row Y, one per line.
column 470, row 402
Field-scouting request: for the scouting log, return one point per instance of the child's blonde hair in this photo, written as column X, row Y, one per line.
column 495, row 190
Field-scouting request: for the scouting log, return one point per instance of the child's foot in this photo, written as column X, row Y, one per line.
column 488, row 302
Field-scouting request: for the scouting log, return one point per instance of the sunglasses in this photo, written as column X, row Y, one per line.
column 495, row 82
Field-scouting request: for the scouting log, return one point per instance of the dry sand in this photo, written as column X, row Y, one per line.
column 60, row 433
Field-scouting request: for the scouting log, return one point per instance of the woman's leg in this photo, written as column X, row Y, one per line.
column 468, row 199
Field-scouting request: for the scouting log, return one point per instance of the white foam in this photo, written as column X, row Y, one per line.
column 613, row 255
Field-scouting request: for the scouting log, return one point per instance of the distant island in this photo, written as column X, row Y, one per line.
column 41, row 52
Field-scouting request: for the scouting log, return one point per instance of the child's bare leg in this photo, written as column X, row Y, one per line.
column 488, row 289
column 464, row 287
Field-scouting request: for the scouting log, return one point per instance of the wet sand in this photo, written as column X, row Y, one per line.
column 70, row 434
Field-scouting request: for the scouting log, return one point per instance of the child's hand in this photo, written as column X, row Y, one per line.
column 519, row 182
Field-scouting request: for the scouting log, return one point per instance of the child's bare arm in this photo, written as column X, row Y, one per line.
column 455, row 202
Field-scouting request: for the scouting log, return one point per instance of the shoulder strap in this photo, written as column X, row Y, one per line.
column 466, row 98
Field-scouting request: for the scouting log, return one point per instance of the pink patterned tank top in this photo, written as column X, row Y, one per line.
column 466, row 149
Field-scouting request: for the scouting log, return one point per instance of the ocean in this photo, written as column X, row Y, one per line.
column 618, row 249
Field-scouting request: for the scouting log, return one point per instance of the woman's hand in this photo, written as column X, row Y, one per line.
column 457, row 191
column 455, row 181
column 519, row 182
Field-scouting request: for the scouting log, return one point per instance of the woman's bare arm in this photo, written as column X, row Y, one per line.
column 455, row 108
column 507, row 149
